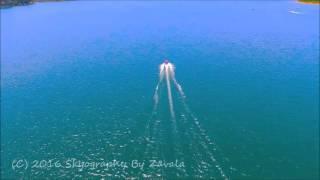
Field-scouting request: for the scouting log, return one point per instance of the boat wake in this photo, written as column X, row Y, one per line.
column 182, row 138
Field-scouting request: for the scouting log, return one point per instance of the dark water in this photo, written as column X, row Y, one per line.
column 77, row 84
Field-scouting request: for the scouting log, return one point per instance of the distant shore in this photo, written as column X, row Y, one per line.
column 12, row 3
column 314, row 2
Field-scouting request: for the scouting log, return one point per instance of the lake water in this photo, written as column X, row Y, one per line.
column 78, row 80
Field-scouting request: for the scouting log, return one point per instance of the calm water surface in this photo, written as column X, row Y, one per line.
column 77, row 81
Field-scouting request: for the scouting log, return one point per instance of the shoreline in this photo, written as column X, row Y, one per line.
column 14, row 3
column 309, row 2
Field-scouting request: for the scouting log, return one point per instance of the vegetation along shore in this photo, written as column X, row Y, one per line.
column 309, row 1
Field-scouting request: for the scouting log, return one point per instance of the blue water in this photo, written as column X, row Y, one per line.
column 78, row 79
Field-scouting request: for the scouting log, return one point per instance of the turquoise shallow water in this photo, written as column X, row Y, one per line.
column 78, row 79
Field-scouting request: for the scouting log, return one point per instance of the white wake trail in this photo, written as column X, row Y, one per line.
column 153, row 134
column 156, row 98
column 175, row 136
column 169, row 94
column 179, row 88
column 156, row 93
column 206, row 140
